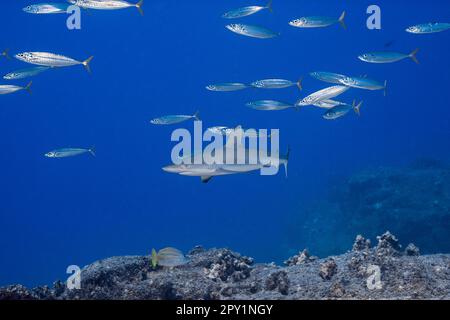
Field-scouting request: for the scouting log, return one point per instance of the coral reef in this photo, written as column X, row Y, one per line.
column 301, row 258
column 412, row 202
column 328, row 269
column 383, row 272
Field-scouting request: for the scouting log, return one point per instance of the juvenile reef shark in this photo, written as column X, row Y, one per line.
column 208, row 171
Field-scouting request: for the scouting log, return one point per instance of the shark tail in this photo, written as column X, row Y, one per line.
column 385, row 88
column 196, row 116
column 288, row 154
column 92, row 151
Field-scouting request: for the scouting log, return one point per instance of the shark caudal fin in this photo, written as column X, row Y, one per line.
column 385, row 88
column 342, row 20
column 92, row 151
column 413, row 56
column 28, row 87
column 269, row 6
column 286, row 161
column 357, row 108
column 196, row 116
column 5, row 54
column 139, row 7
column 86, row 62
column 300, row 84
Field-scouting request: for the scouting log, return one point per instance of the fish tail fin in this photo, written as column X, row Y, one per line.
column 5, row 54
column 86, row 63
column 357, row 108
column 413, row 56
column 154, row 259
column 300, row 84
column 385, row 88
column 139, row 7
column 92, row 151
column 342, row 20
column 196, row 116
column 28, row 87
column 269, row 5
column 286, row 162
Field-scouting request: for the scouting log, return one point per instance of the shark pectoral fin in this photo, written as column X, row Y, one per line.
column 206, row 179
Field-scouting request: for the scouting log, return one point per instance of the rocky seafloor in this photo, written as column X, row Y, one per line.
column 413, row 202
column 385, row 271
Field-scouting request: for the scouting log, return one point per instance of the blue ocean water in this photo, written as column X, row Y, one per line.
column 60, row 212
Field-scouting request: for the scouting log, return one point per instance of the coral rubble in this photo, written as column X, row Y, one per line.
column 383, row 272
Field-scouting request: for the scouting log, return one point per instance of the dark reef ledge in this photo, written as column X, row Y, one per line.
column 223, row 274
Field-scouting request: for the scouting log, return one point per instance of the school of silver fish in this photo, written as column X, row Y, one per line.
column 321, row 99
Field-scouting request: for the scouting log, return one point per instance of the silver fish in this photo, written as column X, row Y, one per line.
column 252, row 31
column 173, row 119
column 340, row 111
column 226, row 131
column 324, row 94
column 168, row 257
column 388, row 57
column 220, row 130
column 427, row 28
column 46, row 8
column 25, row 73
column 328, row 104
column 226, row 87
column 364, row 83
column 107, row 4
column 6, row 89
column 246, row 11
column 269, row 105
column 328, row 77
column 51, row 60
column 276, row 84
column 318, row 22
column 69, row 152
